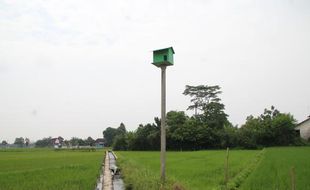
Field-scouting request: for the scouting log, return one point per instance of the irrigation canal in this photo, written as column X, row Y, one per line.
column 110, row 178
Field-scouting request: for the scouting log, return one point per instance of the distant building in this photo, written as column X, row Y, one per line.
column 57, row 142
column 303, row 128
column 99, row 143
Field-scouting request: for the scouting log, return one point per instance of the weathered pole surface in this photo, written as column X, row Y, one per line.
column 163, row 125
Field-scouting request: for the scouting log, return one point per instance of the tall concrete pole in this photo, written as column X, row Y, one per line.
column 163, row 125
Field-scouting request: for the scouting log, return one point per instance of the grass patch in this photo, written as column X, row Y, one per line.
column 236, row 181
column 274, row 170
column 45, row 169
column 191, row 170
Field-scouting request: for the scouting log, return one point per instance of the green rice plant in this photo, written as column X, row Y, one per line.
column 274, row 171
column 191, row 170
column 45, row 169
column 235, row 182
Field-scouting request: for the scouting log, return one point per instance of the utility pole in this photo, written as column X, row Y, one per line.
column 163, row 125
column 163, row 58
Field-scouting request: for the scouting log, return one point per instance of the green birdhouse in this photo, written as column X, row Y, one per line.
column 163, row 57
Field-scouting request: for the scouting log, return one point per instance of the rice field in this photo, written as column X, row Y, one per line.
column 274, row 172
column 205, row 170
column 191, row 170
column 46, row 169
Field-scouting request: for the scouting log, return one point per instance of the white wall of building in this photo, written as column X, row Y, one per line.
column 304, row 129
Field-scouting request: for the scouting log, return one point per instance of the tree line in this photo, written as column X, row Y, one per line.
column 19, row 142
column 208, row 128
column 48, row 142
column 74, row 141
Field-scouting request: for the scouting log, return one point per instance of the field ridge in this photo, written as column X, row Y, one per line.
column 236, row 182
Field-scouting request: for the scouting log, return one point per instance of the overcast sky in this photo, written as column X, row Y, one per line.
column 73, row 68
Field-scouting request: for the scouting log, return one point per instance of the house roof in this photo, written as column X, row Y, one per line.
column 99, row 140
column 303, row 121
column 165, row 49
column 59, row 138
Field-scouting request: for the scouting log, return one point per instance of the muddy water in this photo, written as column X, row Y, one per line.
column 99, row 183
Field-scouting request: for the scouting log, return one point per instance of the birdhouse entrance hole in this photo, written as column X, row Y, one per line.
column 165, row 58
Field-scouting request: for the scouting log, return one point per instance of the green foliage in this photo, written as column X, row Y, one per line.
column 45, row 169
column 272, row 128
column 175, row 119
column 122, row 128
column 27, row 141
column 146, row 137
column 214, row 115
column 206, row 99
column 109, row 133
column 202, row 95
column 120, row 143
column 4, row 142
column 75, row 141
column 45, row 142
column 89, row 141
column 228, row 136
column 19, row 141
column 193, row 135
column 207, row 129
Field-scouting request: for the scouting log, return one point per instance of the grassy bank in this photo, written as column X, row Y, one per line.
column 46, row 169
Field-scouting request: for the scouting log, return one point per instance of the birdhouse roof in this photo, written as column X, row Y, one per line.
column 164, row 49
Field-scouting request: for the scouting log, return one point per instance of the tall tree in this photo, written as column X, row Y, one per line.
column 110, row 133
column 45, row 142
column 122, row 129
column 75, row 141
column 4, row 142
column 206, row 99
column 272, row 128
column 201, row 96
column 90, row 141
column 19, row 141
column 214, row 115
column 27, row 142
column 175, row 119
